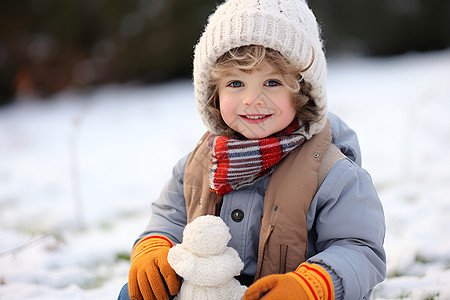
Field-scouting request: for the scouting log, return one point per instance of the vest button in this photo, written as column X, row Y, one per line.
column 237, row 215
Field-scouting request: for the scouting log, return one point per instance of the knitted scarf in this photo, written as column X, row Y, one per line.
column 236, row 163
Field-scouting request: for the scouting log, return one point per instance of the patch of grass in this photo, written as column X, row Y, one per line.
column 447, row 264
column 404, row 296
column 421, row 259
column 123, row 256
column 395, row 274
column 96, row 283
column 431, row 297
column 106, row 226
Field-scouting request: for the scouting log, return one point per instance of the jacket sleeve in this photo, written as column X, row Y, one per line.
column 348, row 231
column 168, row 217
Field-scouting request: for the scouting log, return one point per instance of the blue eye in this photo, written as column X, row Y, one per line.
column 236, row 84
column 272, row 83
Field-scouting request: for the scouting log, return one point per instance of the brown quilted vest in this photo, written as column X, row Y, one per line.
column 283, row 240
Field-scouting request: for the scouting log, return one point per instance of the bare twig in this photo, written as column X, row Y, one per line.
column 33, row 242
column 75, row 169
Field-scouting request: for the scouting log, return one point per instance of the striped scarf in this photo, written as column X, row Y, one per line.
column 236, row 163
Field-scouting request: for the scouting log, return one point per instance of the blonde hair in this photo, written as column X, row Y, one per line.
column 250, row 58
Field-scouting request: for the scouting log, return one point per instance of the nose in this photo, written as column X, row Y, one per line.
column 253, row 97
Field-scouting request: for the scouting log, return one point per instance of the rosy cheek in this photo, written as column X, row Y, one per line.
column 224, row 110
column 227, row 116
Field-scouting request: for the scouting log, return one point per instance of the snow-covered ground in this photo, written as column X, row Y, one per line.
column 78, row 174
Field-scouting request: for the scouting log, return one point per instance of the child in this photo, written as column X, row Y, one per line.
column 305, row 220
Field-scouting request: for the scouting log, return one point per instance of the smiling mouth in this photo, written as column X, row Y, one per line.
column 255, row 119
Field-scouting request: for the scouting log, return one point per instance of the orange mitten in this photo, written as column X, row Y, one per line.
column 150, row 269
column 309, row 282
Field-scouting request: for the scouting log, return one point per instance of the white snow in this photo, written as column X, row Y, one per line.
column 78, row 173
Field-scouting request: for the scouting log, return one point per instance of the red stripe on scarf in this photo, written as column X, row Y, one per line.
column 222, row 166
column 270, row 150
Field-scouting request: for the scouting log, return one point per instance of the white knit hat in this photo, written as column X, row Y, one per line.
column 287, row 26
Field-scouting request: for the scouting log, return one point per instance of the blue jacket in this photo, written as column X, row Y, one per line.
column 345, row 220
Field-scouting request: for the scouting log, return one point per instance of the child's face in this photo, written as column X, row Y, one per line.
column 255, row 104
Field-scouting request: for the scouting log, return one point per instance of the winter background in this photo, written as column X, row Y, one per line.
column 78, row 174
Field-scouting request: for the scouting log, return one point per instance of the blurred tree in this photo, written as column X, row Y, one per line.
column 50, row 45
column 383, row 27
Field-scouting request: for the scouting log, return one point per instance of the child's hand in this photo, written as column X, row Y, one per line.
column 307, row 282
column 274, row 287
column 148, row 264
